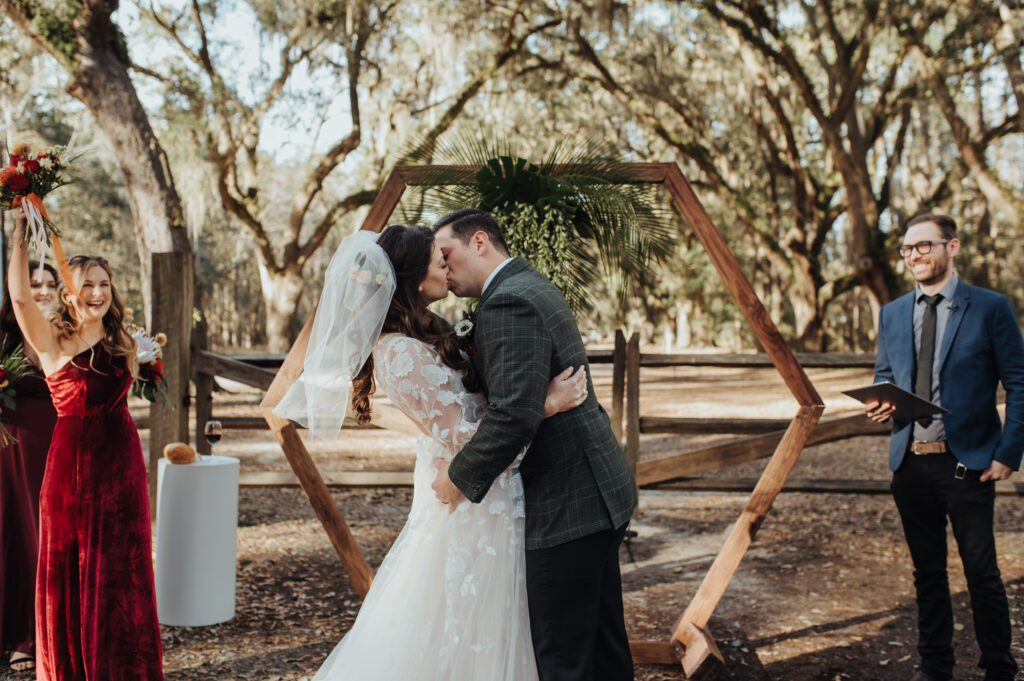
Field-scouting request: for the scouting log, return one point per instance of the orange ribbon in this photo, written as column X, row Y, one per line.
column 58, row 247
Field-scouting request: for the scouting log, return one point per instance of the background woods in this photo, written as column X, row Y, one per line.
column 256, row 133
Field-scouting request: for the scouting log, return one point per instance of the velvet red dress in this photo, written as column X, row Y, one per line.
column 95, row 601
column 22, row 464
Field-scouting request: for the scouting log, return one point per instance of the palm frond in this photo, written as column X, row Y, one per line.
column 620, row 229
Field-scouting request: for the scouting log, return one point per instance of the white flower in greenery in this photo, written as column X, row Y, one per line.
column 381, row 279
column 463, row 328
column 46, row 163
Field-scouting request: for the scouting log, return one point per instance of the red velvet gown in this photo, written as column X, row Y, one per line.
column 22, row 464
column 95, row 600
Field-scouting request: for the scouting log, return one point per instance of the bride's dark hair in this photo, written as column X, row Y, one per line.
column 410, row 250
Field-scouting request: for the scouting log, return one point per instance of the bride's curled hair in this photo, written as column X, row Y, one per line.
column 410, row 250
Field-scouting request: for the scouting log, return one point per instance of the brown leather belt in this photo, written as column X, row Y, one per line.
column 939, row 447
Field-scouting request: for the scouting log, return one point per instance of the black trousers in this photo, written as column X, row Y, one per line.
column 576, row 619
column 927, row 492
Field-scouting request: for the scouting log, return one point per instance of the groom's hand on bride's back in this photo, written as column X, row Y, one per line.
column 447, row 493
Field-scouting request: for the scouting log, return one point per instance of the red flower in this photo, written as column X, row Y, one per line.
column 152, row 372
column 3, row 375
column 16, row 159
column 17, row 182
column 158, row 370
column 33, row 166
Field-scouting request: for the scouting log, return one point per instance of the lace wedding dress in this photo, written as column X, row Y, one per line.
column 449, row 601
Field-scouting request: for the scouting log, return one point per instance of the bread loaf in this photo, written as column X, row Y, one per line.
column 179, row 452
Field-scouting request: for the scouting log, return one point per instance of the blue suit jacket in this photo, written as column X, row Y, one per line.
column 982, row 346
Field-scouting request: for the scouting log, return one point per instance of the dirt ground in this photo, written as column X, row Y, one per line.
column 824, row 594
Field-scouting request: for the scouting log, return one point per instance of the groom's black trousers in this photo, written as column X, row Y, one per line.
column 575, row 596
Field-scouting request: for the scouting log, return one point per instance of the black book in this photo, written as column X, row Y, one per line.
column 908, row 405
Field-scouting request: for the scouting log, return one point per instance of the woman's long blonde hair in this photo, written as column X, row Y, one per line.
column 116, row 339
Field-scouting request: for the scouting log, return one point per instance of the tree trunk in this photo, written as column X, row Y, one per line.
column 282, row 290
column 103, row 85
column 807, row 312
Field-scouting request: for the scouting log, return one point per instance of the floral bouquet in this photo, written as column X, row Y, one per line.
column 150, row 382
column 12, row 367
column 24, row 182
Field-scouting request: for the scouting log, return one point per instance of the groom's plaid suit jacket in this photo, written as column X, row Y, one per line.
column 576, row 478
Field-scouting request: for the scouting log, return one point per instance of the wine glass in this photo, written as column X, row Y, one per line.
column 212, row 433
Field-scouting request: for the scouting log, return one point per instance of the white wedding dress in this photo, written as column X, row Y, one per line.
column 449, row 601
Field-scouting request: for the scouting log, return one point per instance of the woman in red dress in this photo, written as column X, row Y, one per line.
column 95, row 601
column 21, row 474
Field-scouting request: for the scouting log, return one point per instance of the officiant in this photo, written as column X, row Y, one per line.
column 952, row 344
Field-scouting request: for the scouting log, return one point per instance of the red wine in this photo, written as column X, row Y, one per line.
column 213, row 438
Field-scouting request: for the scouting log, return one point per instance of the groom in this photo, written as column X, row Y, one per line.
column 580, row 492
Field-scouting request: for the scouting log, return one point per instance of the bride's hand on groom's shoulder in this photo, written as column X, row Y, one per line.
column 446, row 491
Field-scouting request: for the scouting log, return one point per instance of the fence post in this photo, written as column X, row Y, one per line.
column 172, row 290
column 204, row 389
column 633, row 401
column 618, row 382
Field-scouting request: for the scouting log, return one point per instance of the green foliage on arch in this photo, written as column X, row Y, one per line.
column 577, row 216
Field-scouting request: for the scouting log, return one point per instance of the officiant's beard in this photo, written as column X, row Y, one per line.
column 933, row 267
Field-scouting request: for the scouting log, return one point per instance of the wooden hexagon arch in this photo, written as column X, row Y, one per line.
column 690, row 644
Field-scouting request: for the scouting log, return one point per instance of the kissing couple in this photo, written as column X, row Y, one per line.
column 508, row 568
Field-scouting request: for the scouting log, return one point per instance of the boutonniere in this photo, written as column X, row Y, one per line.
column 464, row 333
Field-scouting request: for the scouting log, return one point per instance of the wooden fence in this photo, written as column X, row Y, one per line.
column 758, row 441
column 761, row 436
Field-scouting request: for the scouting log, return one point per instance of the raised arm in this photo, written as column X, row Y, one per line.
column 35, row 327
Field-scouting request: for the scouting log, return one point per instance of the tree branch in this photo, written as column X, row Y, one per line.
column 341, row 208
column 854, row 74
column 22, row 15
column 783, row 56
column 970, row 151
column 334, row 156
column 511, row 45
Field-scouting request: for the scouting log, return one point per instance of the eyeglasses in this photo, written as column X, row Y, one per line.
column 923, row 247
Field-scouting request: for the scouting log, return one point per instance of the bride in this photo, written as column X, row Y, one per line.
column 449, row 600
